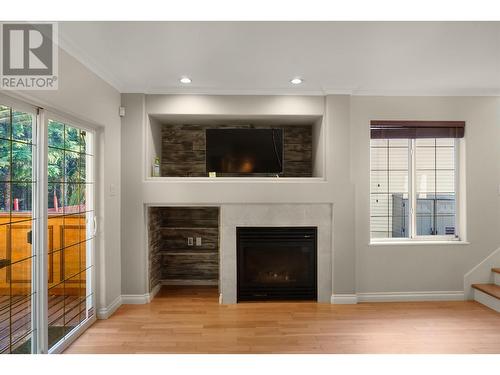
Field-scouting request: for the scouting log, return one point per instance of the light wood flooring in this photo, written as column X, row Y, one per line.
column 190, row 320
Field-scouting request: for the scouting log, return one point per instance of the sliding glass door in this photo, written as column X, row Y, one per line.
column 47, row 229
column 70, row 229
column 17, row 221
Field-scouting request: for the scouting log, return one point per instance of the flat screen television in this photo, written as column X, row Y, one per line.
column 244, row 150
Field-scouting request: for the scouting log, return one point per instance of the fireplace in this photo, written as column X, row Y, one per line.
column 276, row 263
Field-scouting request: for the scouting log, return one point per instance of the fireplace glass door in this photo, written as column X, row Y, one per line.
column 276, row 263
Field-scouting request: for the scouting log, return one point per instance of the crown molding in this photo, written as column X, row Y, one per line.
column 430, row 92
column 308, row 92
column 84, row 59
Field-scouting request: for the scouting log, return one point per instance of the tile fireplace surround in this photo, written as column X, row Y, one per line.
column 240, row 215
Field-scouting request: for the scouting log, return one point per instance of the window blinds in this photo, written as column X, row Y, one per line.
column 394, row 129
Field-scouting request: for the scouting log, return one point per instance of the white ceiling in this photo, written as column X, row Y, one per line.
column 399, row 58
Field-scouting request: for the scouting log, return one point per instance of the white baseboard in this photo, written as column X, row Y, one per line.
column 347, row 299
column 127, row 299
column 220, row 299
column 140, row 299
column 487, row 300
column 106, row 312
column 411, row 296
column 135, row 299
column 481, row 274
column 344, row 299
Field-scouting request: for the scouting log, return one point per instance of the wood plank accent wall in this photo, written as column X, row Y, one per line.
column 171, row 259
column 184, row 150
column 154, row 247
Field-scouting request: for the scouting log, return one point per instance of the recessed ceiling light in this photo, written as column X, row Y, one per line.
column 185, row 80
column 296, row 81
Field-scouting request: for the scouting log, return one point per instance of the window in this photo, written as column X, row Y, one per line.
column 413, row 180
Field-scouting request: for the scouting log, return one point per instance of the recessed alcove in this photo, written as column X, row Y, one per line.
column 183, row 246
column 179, row 141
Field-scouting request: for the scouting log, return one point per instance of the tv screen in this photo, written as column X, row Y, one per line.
column 244, row 150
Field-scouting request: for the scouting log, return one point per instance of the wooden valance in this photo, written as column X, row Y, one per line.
column 383, row 129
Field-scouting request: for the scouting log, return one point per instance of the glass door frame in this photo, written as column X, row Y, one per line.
column 45, row 116
column 39, row 218
column 37, row 187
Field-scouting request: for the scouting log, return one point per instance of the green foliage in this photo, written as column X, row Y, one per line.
column 66, row 157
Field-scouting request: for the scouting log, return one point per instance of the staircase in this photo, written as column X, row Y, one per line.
column 489, row 294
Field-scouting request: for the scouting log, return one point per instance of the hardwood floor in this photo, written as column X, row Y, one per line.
column 190, row 320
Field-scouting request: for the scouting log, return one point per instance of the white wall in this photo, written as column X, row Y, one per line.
column 357, row 266
column 338, row 151
column 134, row 265
column 256, row 105
column 403, row 268
column 139, row 191
column 85, row 97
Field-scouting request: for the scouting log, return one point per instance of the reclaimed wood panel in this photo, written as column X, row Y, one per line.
column 175, row 239
column 189, row 217
column 190, row 266
column 155, row 242
column 183, row 150
column 170, row 256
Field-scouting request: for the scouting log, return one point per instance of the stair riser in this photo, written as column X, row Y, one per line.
column 497, row 278
column 487, row 300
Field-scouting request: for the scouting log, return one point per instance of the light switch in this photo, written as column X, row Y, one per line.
column 112, row 190
column 190, row 241
column 198, row 241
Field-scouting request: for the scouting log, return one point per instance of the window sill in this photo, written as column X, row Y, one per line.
column 418, row 243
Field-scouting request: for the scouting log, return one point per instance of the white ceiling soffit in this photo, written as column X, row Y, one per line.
column 360, row 58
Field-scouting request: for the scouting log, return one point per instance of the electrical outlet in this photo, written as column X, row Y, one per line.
column 198, row 241
column 190, row 241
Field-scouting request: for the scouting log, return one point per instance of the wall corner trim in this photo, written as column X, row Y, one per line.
column 481, row 273
column 154, row 292
column 344, row 299
column 106, row 312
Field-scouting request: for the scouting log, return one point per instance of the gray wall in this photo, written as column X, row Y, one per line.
column 357, row 266
column 134, row 265
column 403, row 268
column 84, row 96
column 339, row 175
